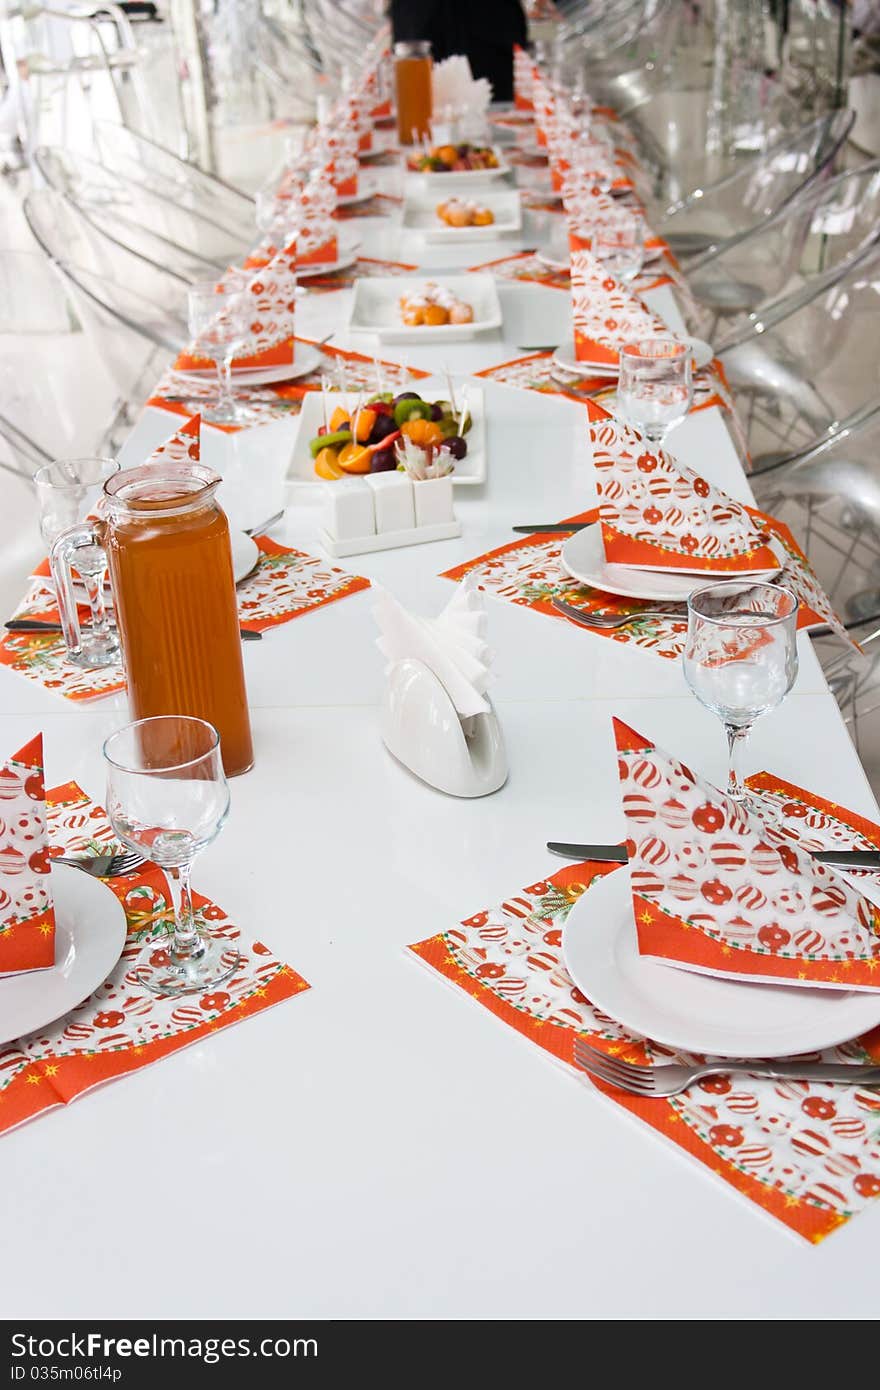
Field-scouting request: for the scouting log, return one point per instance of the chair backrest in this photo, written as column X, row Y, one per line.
column 148, row 165
column 137, row 293
column 772, row 260
column 796, row 375
column 768, row 181
column 173, row 238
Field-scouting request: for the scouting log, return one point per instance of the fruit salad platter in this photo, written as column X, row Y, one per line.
column 345, row 434
column 396, row 310
column 450, row 164
column 461, row 218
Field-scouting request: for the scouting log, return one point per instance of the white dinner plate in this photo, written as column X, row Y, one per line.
column 420, row 215
column 460, row 178
column 89, row 936
column 368, row 187
column 376, row 308
column 693, row 1012
column 567, row 360
column 468, row 472
column 306, row 360
column 583, row 556
column 245, row 554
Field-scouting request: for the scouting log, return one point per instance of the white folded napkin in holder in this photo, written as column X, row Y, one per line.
column 436, row 717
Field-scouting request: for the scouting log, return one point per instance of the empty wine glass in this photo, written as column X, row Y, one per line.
column 655, row 388
column 741, row 658
column 167, row 798
column 619, row 243
column 219, row 321
column 68, row 491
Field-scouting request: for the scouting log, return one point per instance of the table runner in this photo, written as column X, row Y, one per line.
column 808, row 1154
column 529, row 573
column 286, row 584
column 123, row 1027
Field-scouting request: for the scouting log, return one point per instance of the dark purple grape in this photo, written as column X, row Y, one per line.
column 407, row 396
column 382, row 427
column 456, row 446
column 383, row 461
column 436, row 411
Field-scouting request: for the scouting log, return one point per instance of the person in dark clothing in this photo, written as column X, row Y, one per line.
column 484, row 30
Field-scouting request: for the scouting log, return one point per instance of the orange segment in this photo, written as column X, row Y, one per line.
column 327, row 465
column 354, row 458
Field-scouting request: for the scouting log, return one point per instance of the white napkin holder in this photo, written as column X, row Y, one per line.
column 423, row 730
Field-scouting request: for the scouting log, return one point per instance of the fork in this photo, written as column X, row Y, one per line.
column 611, row 620
column 103, row 865
column 671, row 1079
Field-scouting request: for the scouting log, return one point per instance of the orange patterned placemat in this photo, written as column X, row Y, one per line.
column 122, row 1027
column 363, row 268
column 807, row 1153
column 285, row 584
column 528, row 267
column 529, row 572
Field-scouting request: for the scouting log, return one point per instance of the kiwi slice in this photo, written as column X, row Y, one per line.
column 408, row 409
column 329, row 441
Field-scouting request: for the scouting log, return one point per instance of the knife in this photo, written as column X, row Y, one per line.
column 36, row 625
column 868, row 859
column 556, row 528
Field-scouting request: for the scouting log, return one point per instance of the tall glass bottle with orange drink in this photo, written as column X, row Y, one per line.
column 412, row 84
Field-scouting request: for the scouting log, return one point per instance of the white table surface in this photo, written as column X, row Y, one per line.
column 381, row 1146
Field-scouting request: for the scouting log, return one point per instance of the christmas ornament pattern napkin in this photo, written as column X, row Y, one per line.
column 27, row 914
column 719, row 890
column 123, row 1027
column 605, row 314
column 806, row 1153
column 271, row 295
column 657, row 514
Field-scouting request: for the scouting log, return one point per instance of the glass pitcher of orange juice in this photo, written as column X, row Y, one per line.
column 170, row 561
column 412, row 83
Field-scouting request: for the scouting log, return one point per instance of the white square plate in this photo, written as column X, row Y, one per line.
column 460, row 178
column 468, row 471
column 420, row 215
column 376, row 308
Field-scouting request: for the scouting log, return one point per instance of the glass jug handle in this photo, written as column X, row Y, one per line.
column 99, row 646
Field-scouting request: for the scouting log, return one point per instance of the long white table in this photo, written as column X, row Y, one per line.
column 381, row 1146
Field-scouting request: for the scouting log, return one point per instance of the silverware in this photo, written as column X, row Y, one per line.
column 554, row 528
column 36, row 625
column 103, row 865
column 263, row 526
column 670, row 1079
column 536, row 347
column 852, row 859
column 611, row 620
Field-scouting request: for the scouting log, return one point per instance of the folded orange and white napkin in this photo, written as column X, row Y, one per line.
column 656, row 514
column 184, row 446
column 27, row 914
column 271, row 292
column 718, row 890
column 523, row 79
column 605, row 314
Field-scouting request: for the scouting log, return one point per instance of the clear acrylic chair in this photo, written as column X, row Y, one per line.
column 159, row 171
column 700, row 223
column 815, row 237
column 805, row 362
column 109, row 279
column 171, row 237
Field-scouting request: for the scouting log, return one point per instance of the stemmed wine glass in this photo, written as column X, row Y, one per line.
column 741, row 657
column 168, row 798
column 619, row 244
column 68, row 491
column 219, row 321
column 655, row 388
